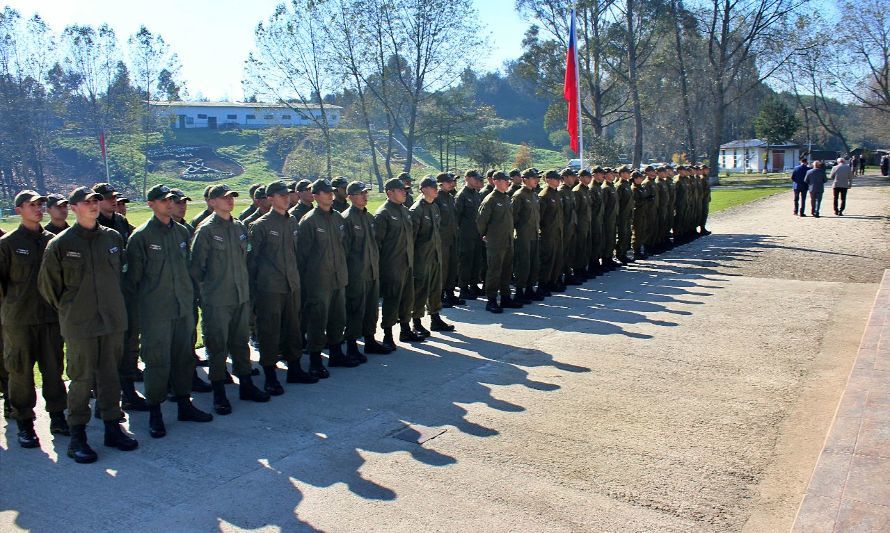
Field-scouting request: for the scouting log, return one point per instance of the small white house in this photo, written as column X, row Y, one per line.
column 241, row 114
column 756, row 155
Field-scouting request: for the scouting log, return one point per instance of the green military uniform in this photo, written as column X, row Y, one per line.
column 580, row 255
column 275, row 282
column 597, row 239
column 551, row 241
column 495, row 222
column 219, row 266
column 251, row 209
column 610, row 222
column 253, row 217
column 625, row 218
column 570, row 224
column 705, row 203
column 672, row 207
column 526, row 221
column 81, row 278
column 641, row 200
column 159, row 281
column 363, row 266
column 680, row 195
column 30, row 326
column 664, row 215
column 652, row 217
column 200, row 217
column 471, row 249
column 55, row 230
column 322, row 260
column 696, row 202
column 448, row 233
column 300, row 210
column 426, row 221
column 394, row 232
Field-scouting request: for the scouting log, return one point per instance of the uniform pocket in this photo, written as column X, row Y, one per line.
column 21, row 268
column 72, row 272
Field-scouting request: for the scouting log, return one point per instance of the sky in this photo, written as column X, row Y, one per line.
column 213, row 37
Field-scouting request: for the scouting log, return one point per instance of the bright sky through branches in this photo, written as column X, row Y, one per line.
column 213, row 37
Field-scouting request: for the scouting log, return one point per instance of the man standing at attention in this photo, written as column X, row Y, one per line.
column 159, row 282
column 30, row 326
column 81, row 277
column 219, row 266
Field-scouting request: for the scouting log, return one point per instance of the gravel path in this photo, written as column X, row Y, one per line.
column 690, row 392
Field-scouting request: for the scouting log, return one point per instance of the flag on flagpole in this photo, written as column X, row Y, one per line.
column 570, row 90
column 102, row 143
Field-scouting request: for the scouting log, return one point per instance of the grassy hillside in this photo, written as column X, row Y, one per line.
column 262, row 155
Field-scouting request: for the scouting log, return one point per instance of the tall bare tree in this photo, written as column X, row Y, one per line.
column 293, row 64
column 865, row 47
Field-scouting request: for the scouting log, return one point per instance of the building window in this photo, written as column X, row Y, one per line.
column 190, row 120
column 285, row 117
column 202, row 115
column 231, row 117
column 251, row 117
column 268, row 117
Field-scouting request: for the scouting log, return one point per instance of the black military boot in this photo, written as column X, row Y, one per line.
column 407, row 335
column 296, row 374
column 199, row 385
column 466, row 293
column 372, row 346
column 187, row 412
column 58, row 425
column 437, row 324
column 388, row 341
column 130, row 399
column 521, row 297
column 78, row 449
column 419, row 329
column 338, row 358
column 316, row 366
column 510, row 303
column 27, row 436
column 352, row 352
column 250, row 392
column 447, row 301
column 272, row 385
column 116, row 438
column 493, row 307
column 220, row 403
column 570, row 279
column 156, row 426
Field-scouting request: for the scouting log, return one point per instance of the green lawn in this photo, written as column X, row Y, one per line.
column 725, row 198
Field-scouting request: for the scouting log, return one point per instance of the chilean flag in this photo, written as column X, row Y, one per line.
column 570, row 91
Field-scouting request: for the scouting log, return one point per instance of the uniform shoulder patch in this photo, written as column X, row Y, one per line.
column 156, row 247
column 23, row 251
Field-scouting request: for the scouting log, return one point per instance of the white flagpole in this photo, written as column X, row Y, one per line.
column 578, row 89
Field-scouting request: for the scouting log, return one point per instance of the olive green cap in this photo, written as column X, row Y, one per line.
column 304, row 185
column 27, row 196
column 218, row 191
column 357, row 187
column 277, row 187
column 429, row 181
column 55, row 199
column 82, row 193
column 393, row 184
column 159, row 192
column 322, row 185
column 339, row 181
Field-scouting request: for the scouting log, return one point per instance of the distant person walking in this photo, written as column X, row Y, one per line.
column 842, row 176
column 862, row 166
column 815, row 180
column 885, row 165
column 800, row 187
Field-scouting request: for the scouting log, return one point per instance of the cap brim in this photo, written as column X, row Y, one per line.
column 233, row 194
column 30, row 199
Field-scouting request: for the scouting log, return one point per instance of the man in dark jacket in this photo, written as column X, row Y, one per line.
column 81, row 277
column 162, row 293
column 815, row 182
column 799, row 187
column 30, row 325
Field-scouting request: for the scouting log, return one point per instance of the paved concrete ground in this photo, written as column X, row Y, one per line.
column 690, row 392
column 850, row 487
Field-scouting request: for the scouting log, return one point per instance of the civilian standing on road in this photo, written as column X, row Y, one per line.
column 799, row 187
column 842, row 180
column 815, row 181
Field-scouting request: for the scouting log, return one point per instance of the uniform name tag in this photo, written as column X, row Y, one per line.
column 183, row 245
column 114, row 250
column 394, row 218
column 320, row 230
column 217, row 238
column 356, row 226
column 156, row 247
column 273, row 233
column 23, row 251
column 428, row 217
column 73, row 254
column 500, row 204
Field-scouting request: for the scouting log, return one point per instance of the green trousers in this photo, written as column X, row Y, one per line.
column 526, row 262
column 169, row 357
column 325, row 313
column 226, row 333
column 397, row 291
column 427, row 289
column 362, row 309
column 23, row 347
column 499, row 270
column 449, row 264
column 471, row 253
column 278, row 327
column 624, row 235
column 579, row 257
column 93, row 362
column 551, row 250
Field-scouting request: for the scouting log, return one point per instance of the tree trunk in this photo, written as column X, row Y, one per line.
column 717, row 136
column 632, row 82
column 684, row 85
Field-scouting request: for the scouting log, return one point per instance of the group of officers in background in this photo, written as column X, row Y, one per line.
column 303, row 269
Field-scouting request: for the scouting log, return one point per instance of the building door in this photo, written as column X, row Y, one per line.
column 211, row 122
column 182, row 121
column 778, row 160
